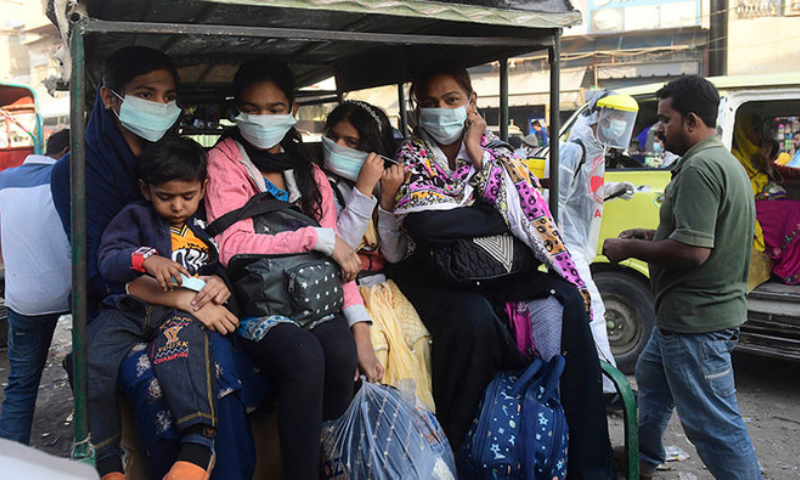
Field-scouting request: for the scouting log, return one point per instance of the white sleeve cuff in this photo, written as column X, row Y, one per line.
column 356, row 313
column 385, row 218
column 326, row 241
column 361, row 204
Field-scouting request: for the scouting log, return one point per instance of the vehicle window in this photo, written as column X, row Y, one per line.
column 774, row 122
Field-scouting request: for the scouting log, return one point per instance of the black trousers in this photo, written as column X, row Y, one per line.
column 471, row 342
column 315, row 371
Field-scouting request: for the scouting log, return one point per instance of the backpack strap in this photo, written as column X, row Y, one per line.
column 334, row 181
column 258, row 204
column 583, row 157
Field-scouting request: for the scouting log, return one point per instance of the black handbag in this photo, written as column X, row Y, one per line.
column 470, row 261
column 305, row 287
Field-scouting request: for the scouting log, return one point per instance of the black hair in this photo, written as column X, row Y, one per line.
column 173, row 158
column 57, row 142
column 129, row 62
column 375, row 134
column 693, row 94
column 536, row 123
column 421, row 80
column 269, row 69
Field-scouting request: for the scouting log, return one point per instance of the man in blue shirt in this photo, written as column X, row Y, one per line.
column 38, row 280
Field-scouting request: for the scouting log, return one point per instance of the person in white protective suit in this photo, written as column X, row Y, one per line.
column 607, row 123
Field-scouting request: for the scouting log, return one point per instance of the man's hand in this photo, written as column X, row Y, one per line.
column 615, row 249
column 165, row 270
column 217, row 318
column 215, row 291
column 370, row 174
column 347, row 258
column 638, row 234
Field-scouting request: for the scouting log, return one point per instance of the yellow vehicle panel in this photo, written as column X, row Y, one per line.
column 639, row 212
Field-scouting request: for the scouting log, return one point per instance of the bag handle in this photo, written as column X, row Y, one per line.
column 525, row 380
column 258, row 204
column 553, row 376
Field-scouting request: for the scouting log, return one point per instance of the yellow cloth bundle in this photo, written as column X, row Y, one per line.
column 400, row 339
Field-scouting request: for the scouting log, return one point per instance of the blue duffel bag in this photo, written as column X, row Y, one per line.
column 520, row 431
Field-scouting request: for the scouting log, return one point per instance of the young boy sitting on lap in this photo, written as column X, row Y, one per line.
column 171, row 308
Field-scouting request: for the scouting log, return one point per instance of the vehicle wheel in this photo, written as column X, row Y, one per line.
column 630, row 315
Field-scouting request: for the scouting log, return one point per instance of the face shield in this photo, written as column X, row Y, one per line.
column 616, row 119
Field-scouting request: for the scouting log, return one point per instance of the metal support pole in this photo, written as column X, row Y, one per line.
column 504, row 99
column 401, row 102
column 555, row 120
column 718, row 43
column 81, row 449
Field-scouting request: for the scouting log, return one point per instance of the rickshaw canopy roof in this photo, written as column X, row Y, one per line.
column 323, row 38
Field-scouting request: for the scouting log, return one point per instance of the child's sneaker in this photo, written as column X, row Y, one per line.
column 189, row 471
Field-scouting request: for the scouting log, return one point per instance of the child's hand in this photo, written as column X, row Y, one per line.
column 391, row 181
column 165, row 270
column 215, row 291
column 370, row 174
column 347, row 258
column 368, row 363
column 217, row 318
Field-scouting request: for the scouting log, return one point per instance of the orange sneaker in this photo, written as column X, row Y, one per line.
column 113, row 476
column 188, row 471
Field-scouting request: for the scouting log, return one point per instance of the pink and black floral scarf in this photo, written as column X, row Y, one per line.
column 503, row 182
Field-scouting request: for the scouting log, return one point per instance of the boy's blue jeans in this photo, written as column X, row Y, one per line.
column 693, row 373
column 29, row 340
column 179, row 354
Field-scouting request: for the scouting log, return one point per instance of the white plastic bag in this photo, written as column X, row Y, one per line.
column 385, row 436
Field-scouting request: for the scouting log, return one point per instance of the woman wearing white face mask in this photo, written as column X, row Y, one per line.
column 357, row 136
column 314, row 365
column 462, row 183
column 135, row 105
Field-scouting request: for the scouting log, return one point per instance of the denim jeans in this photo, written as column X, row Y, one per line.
column 693, row 373
column 28, row 343
column 178, row 352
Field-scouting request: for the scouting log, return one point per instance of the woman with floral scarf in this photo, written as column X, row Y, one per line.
column 461, row 184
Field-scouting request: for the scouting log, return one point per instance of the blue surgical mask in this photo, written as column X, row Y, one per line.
column 614, row 129
column 149, row 120
column 657, row 148
column 343, row 161
column 264, row 131
column 445, row 125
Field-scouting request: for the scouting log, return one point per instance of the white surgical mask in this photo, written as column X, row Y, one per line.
column 149, row 120
column 343, row 161
column 264, row 131
column 615, row 128
column 445, row 125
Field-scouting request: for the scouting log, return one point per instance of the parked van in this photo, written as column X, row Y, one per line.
column 773, row 327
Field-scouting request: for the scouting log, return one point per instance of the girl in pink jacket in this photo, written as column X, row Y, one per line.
column 314, row 368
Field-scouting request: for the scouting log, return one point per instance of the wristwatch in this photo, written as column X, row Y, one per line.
column 139, row 256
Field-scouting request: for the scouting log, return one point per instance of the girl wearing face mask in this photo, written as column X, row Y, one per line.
column 461, row 184
column 314, row 368
column 356, row 135
column 136, row 105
